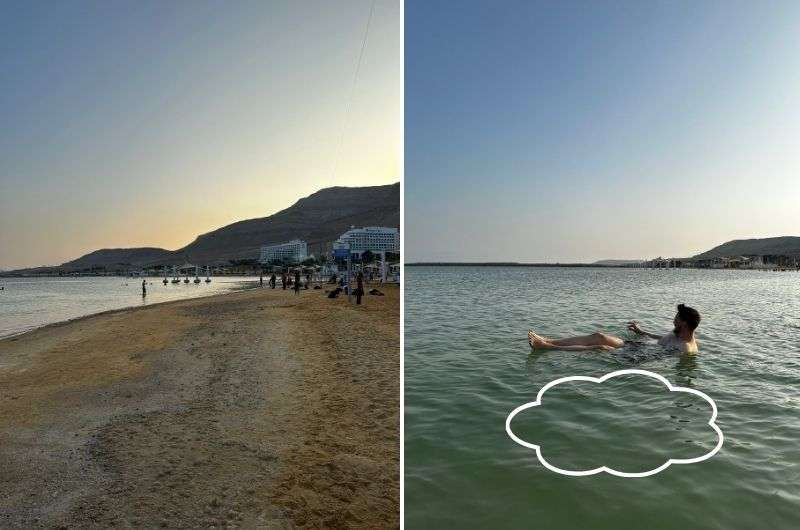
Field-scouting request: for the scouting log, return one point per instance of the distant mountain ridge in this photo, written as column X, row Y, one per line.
column 318, row 219
column 112, row 256
column 774, row 246
column 617, row 262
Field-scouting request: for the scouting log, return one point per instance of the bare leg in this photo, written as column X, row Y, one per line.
column 595, row 341
column 586, row 340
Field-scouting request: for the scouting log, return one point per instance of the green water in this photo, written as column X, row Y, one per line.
column 467, row 365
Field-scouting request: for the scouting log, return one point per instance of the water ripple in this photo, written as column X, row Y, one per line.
column 468, row 364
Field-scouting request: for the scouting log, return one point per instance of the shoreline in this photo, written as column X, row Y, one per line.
column 591, row 266
column 240, row 288
column 248, row 408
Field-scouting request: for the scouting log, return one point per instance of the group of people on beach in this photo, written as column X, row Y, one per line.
column 287, row 280
column 294, row 281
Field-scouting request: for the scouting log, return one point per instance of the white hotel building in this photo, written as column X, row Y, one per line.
column 294, row 250
column 373, row 238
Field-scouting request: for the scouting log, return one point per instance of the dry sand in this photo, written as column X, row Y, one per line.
column 255, row 409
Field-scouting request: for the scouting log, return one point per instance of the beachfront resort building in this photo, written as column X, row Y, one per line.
column 294, row 250
column 376, row 239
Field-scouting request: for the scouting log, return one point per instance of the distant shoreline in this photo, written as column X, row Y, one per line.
column 592, row 266
column 242, row 286
column 126, row 276
column 509, row 264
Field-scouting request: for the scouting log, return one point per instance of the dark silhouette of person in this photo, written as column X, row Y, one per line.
column 283, row 281
column 144, row 288
column 297, row 282
column 308, row 279
column 359, row 288
column 272, row 280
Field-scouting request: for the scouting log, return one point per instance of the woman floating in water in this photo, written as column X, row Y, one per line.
column 681, row 338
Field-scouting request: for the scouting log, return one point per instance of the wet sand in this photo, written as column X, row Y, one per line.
column 255, row 409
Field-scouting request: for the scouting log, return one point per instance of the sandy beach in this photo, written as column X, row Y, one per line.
column 254, row 409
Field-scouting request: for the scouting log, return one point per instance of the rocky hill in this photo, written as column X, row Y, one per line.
column 113, row 256
column 318, row 219
column 775, row 246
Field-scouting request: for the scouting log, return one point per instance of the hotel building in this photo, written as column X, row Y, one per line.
column 376, row 239
column 294, row 250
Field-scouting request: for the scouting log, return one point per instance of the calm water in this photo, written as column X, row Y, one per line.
column 467, row 365
column 27, row 303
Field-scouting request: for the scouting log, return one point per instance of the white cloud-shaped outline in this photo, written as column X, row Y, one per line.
column 608, row 470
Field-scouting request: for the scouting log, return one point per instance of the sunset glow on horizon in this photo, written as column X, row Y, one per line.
column 148, row 124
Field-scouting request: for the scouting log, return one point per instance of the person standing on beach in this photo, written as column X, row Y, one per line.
column 297, row 282
column 144, row 288
column 359, row 287
column 308, row 279
column 261, row 280
column 283, row 281
column 272, row 281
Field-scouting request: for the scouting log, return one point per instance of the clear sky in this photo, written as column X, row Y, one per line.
column 576, row 131
column 148, row 123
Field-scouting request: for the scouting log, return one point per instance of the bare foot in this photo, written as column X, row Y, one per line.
column 536, row 341
column 541, row 337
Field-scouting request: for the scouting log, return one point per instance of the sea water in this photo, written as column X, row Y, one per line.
column 468, row 364
column 27, row 303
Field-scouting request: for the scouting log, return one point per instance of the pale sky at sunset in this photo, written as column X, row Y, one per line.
column 576, row 131
column 131, row 124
